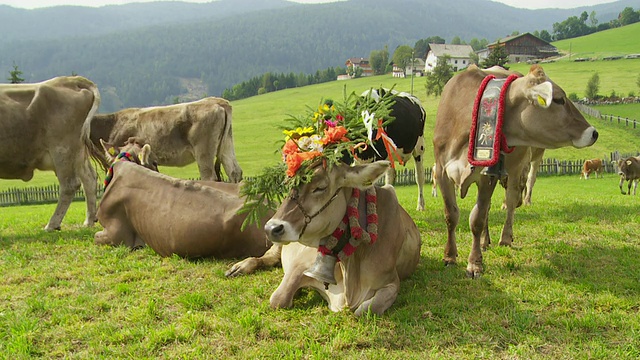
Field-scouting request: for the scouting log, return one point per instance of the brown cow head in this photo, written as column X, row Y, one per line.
column 313, row 210
column 140, row 152
column 538, row 113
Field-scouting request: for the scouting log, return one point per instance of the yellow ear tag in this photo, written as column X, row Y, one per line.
column 112, row 151
column 541, row 101
column 140, row 157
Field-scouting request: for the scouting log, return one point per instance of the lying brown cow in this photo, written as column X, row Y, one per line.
column 591, row 166
column 179, row 134
column 629, row 170
column 537, row 113
column 42, row 127
column 368, row 279
column 172, row 216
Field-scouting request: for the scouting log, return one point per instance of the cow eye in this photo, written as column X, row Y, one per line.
column 319, row 189
column 559, row 101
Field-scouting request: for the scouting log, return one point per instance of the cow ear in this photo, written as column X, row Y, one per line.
column 541, row 94
column 109, row 149
column 363, row 176
column 144, row 154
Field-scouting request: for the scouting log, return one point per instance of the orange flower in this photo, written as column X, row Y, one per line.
column 294, row 160
column 335, row 134
column 290, row 147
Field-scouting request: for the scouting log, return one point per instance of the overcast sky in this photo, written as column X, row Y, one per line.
column 526, row 4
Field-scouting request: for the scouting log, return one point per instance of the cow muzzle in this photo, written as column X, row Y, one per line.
column 588, row 138
column 279, row 231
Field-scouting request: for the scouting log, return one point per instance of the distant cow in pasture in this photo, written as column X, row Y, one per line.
column 591, row 166
column 42, row 126
column 172, row 216
column 536, row 113
column 369, row 278
column 179, row 134
column 629, row 170
column 406, row 131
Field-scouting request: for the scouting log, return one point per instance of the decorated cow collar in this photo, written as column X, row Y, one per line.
column 486, row 139
column 123, row 156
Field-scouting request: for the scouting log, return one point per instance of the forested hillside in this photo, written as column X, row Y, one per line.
column 154, row 64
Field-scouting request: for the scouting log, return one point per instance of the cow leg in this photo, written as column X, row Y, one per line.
column 477, row 223
column 204, row 156
column 418, row 159
column 69, row 184
column 629, row 183
column 88, row 178
column 249, row 265
column 451, row 214
column 531, row 180
column 381, row 300
column 620, row 185
column 635, row 186
column 515, row 164
column 116, row 233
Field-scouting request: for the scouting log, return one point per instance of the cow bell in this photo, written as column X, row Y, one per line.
column 497, row 170
column 322, row 269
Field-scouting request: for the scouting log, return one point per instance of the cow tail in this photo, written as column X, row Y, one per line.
column 224, row 134
column 94, row 152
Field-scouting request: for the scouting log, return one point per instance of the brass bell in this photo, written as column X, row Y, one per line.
column 322, row 269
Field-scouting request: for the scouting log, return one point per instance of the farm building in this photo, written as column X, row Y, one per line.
column 459, row 54
column 522, row 48
column 362, row 63
column 417, row 64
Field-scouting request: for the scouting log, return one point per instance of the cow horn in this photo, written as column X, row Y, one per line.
column 628, row 162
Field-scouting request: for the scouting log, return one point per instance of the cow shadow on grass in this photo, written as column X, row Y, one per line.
column 68, row 233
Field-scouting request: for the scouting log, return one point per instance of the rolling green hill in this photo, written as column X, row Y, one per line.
column 255, row 123
column 255, row 119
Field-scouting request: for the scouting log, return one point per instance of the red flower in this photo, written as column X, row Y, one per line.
column 334, row 134
column 294, row 160
column 290, row 147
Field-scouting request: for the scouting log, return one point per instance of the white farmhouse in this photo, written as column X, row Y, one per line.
column 459, row 54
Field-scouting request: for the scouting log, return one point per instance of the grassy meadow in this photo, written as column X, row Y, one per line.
column 568, row 288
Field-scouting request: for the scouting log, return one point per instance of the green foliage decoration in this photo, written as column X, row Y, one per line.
column 328, row 135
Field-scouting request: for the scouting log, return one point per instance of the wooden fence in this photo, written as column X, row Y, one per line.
column 612, row 118
column 49, row 194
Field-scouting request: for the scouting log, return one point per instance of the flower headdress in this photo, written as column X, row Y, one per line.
column 333, row 132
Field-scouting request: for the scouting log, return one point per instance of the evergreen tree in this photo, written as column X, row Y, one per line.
column 439, row 76
column 593, row 85
column 15, row 75
column 497, row 56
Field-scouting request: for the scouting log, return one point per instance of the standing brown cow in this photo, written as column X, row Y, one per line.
column 179, row 134
column 42, row 126
column 591, row 166
column 629, row 170
column 537, row 113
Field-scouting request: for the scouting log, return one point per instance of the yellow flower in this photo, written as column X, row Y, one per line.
column 299, row 132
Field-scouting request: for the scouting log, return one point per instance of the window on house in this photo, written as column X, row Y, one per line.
column 456, row 61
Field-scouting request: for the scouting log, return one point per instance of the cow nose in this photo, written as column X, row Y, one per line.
column 595, row 135
column 274, row 230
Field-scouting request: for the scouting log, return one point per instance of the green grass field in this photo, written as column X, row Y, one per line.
column 567, row 289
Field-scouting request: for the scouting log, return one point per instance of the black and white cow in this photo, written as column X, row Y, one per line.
column 406, row 131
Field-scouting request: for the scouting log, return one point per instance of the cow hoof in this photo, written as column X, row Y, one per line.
column 50, row 229
column 449, row 262
column 474, row 274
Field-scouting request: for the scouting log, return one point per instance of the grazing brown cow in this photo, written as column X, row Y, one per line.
column 537, row 113
column 591, row 166
column 41, row 127
column 179, row 134
column 369, row 278
column 629, row 170
column 172, row 216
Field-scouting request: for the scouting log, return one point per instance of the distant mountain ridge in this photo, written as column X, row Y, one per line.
column 140, row 54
